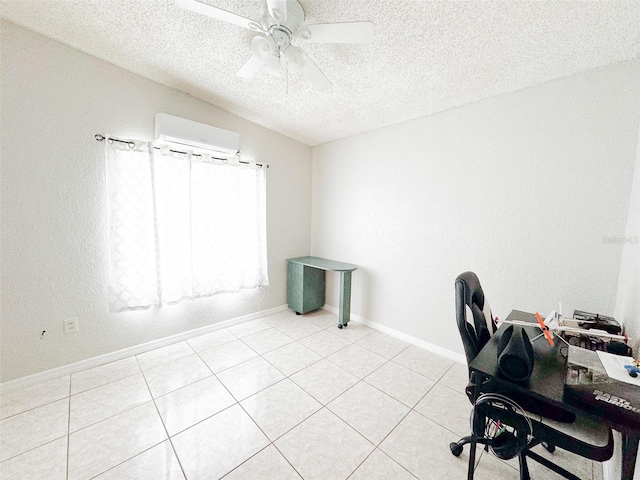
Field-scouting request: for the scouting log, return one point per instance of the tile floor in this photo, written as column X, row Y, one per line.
column 283, row 397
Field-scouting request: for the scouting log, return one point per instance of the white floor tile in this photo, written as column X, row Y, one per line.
column 347, row 391
column 160, row 356
column 249, row 377
column 280, row 318
column 491, row 468
column 159, row 462
column 267, row 340
column 33, row 428
column 22, row 399
column 322, row 318
column 280, row 407
column 324, row 380
column 422, row 447
column 379, row 466
column 383, row 344
column 189, row 405
column 248, row 328
column 103, row 445
column 103, row 374
column 95, row 405
column 211, row 340
column 177, row 374
column 216, row 446
column 267, row 464
column 426, row 363
column 47, row 462
column 401, row 383
column 457, row 377
column 228, row 355
column 357, row 360
column 292, row 358
column 299, row 328
column 324, row 343
column 369, row 411
column 353, row 332
column 317, row 448
column 448, row 408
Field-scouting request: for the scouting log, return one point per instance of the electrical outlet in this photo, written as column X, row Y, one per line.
column 70, row 325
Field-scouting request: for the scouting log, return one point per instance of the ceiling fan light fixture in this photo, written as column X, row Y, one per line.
column 278, row 10
column 263, row 47
column 296, row 59
column 272, row 67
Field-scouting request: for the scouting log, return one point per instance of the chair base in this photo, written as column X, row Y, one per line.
column 457, row 448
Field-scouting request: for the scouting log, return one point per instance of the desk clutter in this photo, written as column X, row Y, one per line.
column 589, row 330
column 586, row 330
column 601, row 373
column 600, row 381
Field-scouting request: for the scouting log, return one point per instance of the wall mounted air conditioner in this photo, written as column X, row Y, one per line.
column 189, row 135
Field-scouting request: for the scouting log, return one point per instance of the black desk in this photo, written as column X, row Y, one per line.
column 547, row 385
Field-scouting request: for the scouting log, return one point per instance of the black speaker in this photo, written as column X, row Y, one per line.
column 515, row 354
column 505, row 445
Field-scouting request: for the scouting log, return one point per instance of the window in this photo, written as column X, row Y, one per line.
column 182, row 226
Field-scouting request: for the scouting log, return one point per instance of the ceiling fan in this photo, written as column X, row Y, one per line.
column 283, row 22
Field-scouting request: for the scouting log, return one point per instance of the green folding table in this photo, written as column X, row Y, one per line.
column 306, row 285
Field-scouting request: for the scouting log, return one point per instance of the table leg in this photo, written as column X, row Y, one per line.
column 344, row 309
column 629, row 454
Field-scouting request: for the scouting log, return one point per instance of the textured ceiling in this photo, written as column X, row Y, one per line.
column 427, row 56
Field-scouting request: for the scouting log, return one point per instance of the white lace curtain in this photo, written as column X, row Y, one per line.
column 182, row 226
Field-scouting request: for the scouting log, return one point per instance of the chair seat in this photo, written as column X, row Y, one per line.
column 585, row 434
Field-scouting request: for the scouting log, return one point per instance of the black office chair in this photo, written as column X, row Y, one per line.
column 503, row 422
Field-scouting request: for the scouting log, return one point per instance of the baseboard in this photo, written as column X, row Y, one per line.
column 163, row 342
column 127, row 352
column 457, row 357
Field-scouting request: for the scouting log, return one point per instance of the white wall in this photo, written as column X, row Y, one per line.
column 628, row 299
column 54, row 99
column 521, row 188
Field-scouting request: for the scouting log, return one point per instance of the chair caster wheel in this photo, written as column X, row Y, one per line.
column 298, row 313
column 340, row 326
column 456, row 449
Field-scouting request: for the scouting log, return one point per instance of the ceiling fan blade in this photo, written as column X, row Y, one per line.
column 278, row 10
column 220, row 14
column 251, row 67
column 315, row 76
column 348, row 32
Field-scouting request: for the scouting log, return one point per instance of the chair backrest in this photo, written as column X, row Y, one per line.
column 473, row 315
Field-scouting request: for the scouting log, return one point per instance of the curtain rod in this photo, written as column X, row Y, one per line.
column 101, row 138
